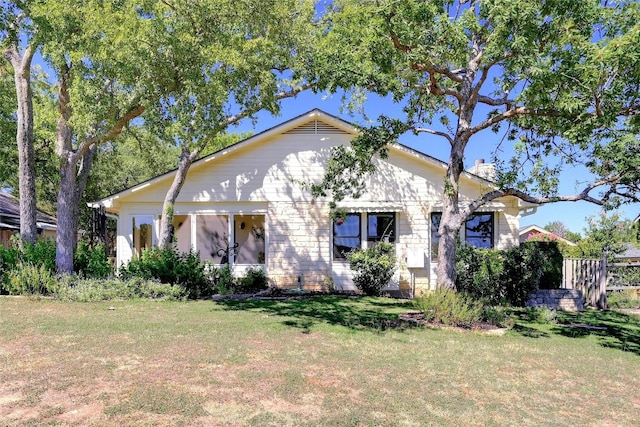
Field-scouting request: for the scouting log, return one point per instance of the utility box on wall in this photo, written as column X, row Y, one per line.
column 415, row 258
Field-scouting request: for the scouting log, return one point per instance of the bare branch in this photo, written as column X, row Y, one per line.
column 434, row 132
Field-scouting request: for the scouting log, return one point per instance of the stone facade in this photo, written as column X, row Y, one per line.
column 558, row 299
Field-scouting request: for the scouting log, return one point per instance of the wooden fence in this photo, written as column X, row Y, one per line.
column 588, row 276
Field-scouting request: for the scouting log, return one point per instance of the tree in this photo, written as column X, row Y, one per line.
column 231, row 60
column 559, row 80
column 13, row 25
column 560, row 229
column 605, row 235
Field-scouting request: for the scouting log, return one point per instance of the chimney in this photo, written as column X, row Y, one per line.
column 483, row 170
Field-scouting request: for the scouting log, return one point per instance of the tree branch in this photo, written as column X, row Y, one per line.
column 435, row 132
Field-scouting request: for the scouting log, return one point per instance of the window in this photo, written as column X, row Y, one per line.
column 347, row 233
column 142, row 227
column 435, row 235
column 381, row 227
column 249, row 237
column 478, row 231
column 212, row 238
column 346, row 236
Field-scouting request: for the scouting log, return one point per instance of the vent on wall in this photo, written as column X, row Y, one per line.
column 315, row 127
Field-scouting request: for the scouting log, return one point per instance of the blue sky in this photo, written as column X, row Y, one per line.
column 572, row 214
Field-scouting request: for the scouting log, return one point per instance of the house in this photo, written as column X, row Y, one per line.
column 10, row 220
column 527, row 232
column 246, row 205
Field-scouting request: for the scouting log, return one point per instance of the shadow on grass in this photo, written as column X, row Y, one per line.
column 612, row 329
column 352, row 312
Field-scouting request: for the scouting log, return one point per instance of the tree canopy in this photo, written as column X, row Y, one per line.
column 557, row 81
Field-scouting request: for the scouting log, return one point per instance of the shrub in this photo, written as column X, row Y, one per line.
column 74, row 288
column 29, row 279
column 223, row 281
column 623, row 299
column 449, row 307
column 373, row 267
column 167, row 265
column 254, row 281
column 523, row 269
column 551, row 256
column 91, row 262
column 8, row 259
column 480, row 273
column 42, row 253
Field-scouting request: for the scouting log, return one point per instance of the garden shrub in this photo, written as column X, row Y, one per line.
column 223, row 281
column 91, row 262
column 8, row 259
column 449, row 307
column 628, row 298
column 74, row 288
column 480, row 273
column 373, row 267
column 42, row 253
column 508, row 276
column 28, row 279
column 255, row 280
column 167, row 265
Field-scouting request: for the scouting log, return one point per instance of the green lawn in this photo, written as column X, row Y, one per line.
column 327, row 361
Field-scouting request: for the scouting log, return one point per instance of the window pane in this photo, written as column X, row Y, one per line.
column 435, row 236
column 182, row 233
column 479, row 230
column 346, row 236
column 381, row 227
column 212, row 238
column 250, row 238
column 142, row 234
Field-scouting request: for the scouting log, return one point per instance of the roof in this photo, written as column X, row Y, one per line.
column 631, row 251
column 539, row 230
column 10, row 214
column 321, row 120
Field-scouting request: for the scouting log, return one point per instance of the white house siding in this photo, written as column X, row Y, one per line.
column 264, row 176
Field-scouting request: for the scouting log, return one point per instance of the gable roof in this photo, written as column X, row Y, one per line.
column 10, row 214
column 312, row 122
column 539, row 230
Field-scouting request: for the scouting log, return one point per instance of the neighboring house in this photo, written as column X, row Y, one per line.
column 527, row 232
column 631, row 254
column 10, row 220
column 250, row 196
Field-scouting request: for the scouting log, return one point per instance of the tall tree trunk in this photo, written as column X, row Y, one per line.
column 24, row 139
column 166, row 223
column 67, row 230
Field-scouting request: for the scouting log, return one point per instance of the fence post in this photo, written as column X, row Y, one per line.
column 602, row 284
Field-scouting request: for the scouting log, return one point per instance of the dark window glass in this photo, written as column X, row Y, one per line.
column 381, row 227
column 435, row 236
column 346, row 236
column 479, row 230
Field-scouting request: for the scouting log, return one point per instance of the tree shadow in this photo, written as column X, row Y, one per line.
column 354, row 313
column 612, row 329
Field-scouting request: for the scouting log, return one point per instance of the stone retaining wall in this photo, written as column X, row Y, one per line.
column 558, row 299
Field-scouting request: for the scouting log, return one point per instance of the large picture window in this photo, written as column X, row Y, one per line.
column 348, row 234
column 250, row 239
column 479, row 229
column 142, row 227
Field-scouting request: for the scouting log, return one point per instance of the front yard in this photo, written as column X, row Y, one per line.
column 323, row 361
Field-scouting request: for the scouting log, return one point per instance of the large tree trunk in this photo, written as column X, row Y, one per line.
column 24, row 139
column 166, row 222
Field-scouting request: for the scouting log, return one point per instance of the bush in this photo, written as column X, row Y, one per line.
column 28, row 279
column 167, row 265
column 623, row 299
column 449, row 307
column 42, row 253
column 254, row 281
column 74, row 288
column 91, row 262
column 223, row 281
column 373, row 267
column 8, row 260
column 508, row 276
column 480, row 274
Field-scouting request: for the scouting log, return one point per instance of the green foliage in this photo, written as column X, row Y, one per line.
column 73, row 288
column 255, row 280
column 480, row 273
column 449, row 307
column 42, row 253
column 8, row 260
column 542, row 315
column 373, row 267
column 623, row 275
column 91, row 262
column 604, row 234
column 223, row 280
column 509, row 276
column 29, row 279
column 623, row 299
column 167, row 265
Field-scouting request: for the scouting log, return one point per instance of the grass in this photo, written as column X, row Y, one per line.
column 318, row 362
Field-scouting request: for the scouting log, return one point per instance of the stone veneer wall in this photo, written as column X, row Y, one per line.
column 558, row 299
